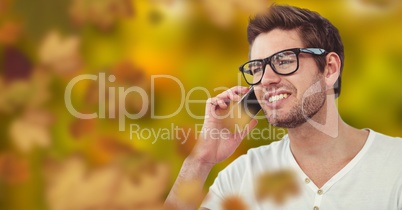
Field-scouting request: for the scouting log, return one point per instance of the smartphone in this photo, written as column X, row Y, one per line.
column 249, row 103
column 243, row 112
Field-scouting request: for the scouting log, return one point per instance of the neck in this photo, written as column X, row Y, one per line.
column 326, row 136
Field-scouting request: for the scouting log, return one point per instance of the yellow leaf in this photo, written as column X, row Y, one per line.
column 60, row 54
column 234, row 203
column 101, row 13
column 32, row 129
column 277, row 185
column 73, row 185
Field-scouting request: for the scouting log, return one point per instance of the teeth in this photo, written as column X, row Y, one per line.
column 277, row 97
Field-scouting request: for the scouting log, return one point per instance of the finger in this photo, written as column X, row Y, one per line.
column 222, row 100
column 233, row 93
column 223, row 104
column 211, row 101
column 214, row 104
column 238, row 90
column 210, row 105
column 233, row 96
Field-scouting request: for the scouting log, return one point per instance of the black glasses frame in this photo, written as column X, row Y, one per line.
column 267, row 60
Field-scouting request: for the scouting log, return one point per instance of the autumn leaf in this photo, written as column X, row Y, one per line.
column 22, row 94
column 277, row 185
column 102, row 13
column 60, row 54
column 10, row 32
column 148, row 191
column 234, row 203
column 14, row 96
column 31, row 129
column 16, row 66
column 13, row 169
column 72, row 184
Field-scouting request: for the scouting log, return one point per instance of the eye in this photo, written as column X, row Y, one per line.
column 285, row 62
column 254, row 68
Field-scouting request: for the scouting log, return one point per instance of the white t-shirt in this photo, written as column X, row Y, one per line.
column 371, row 180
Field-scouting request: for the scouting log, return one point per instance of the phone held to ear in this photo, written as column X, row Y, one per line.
column 250, row 103
column 242, row 112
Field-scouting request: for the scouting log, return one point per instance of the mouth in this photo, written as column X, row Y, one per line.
column 276, row 97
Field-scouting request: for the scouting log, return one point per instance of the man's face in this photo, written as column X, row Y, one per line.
column 288, row 101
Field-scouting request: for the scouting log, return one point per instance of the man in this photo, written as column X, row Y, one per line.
column 296, row 60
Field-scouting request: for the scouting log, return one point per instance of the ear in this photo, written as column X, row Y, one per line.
column 332, row 69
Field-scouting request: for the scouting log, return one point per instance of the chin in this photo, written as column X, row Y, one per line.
column 285, row 121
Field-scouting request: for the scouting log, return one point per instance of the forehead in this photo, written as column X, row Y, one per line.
column 274, row 41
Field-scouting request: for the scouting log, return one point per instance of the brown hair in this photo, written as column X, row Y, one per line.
column 314, row 30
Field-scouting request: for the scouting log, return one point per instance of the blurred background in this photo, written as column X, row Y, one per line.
column 175, row 51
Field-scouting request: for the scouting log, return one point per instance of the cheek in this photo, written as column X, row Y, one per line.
column 259, row 93
column 315, row 86
column 305, row 81
column 303, row 91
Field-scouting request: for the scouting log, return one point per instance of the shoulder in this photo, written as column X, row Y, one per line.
column 383, row 137
column 389, row 143
column 385, row 150
column 383, row 161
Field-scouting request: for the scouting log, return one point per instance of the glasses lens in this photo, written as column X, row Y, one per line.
column 253, row 71
column 285, row 62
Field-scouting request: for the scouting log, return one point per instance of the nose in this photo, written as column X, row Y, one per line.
column 270, row 77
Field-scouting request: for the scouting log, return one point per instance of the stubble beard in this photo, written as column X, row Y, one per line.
column 300, row 112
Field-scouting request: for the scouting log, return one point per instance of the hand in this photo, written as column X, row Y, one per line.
column 219, row 137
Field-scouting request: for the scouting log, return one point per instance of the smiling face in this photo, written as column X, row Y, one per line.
column 288, row 101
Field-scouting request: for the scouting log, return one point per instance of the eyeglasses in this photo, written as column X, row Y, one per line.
column 284, row 62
